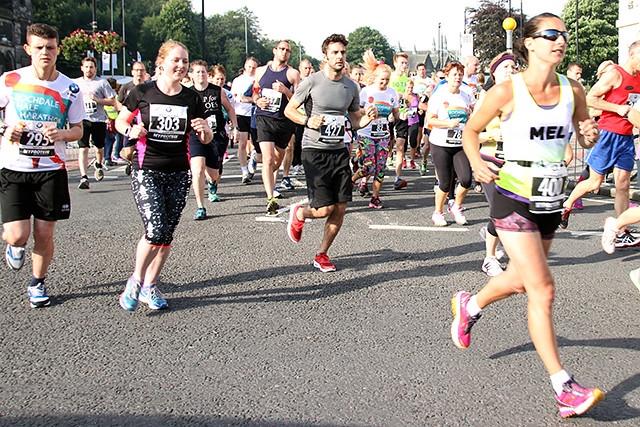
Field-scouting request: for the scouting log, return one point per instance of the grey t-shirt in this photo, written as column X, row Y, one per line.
column 101, row 89
column 322, row 96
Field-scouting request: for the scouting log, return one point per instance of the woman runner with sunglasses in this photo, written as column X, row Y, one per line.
column 537, row 108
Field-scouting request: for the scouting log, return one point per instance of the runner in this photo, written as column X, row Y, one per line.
column 374, row 139
column 33, row 175
column 243, row 105
column 327, row 96
column 400, row 127
column 160, row 178
column 537, row 109
column 447, row 113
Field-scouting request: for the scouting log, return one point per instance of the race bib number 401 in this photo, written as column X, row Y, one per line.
column 547, row 189
column 167, row 123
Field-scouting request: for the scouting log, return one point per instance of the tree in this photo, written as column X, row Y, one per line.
column 489, row 38
column 364, row 38
column 597, row 35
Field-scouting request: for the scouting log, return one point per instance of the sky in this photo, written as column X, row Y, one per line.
column 415, row 25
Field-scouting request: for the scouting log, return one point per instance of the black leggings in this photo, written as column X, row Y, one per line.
column 448, row 160
column 160, row 198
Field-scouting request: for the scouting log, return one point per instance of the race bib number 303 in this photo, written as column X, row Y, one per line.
column 167, row 123
column 33, row 143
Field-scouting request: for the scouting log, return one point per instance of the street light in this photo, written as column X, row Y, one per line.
column 246, row 38
column 509, row 24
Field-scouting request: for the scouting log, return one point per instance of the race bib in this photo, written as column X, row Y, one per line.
column 213, row 122
column 90, row 106
column 332, row 129
column 167, row 123
column 454, row 136
column 33, row 143
column 547, row 189
column 380, row 128
column 275, row 100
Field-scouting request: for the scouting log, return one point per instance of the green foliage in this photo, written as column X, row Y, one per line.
column 364, row 38
column 489, row 38
column 597, row 35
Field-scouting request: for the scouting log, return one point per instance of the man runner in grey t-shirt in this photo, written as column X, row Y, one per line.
column 327, row 97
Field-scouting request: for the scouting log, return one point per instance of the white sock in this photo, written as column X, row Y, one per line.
column 558, row 380
column 245, row 169
column 472, row 306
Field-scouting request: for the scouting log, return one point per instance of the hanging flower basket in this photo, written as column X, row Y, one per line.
column 79, row 42
column 107, row 42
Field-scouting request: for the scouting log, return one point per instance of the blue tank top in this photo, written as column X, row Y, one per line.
column 278, row 100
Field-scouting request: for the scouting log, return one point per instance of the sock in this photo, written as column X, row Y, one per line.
column 245, row 169
column 84, row 176
column 558, row 380
column 472, row 306
column 34, row 281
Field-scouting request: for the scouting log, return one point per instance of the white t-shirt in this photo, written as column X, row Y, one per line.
column 238, row 87
column 36, row 104
column 446, row 105
column 384, row 101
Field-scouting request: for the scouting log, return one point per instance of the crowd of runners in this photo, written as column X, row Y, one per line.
column 344, row 128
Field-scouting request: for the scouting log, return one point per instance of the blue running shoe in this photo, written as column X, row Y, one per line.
column 201, row 214
column 252, row 165
column 14, row 255
column 213, row 191
column 38, row 296
column 286, row 184
column 129, row 298
column 153, row 298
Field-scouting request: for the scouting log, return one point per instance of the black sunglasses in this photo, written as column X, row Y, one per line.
column 551, row 35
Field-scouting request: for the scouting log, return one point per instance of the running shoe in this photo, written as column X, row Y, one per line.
column 286, row 184
column 576, row 400
column 323, row 263
column 564, row 221
column 153, row 298
column 355, row 164
column 404, row 164
column 423, row 169
column 276, row 193
column 294, row 226
column 492, row 266
column 609, row 235
column 252, row 164
column 15, row 255
column 462, row 321
column 459, row 217
column 245, row 178
column 127, row 169
column 84, row 183
column 400, row 183
column 375, row 203
column 635, row 277
column 363, row 188
column 98, row 174
column 578, row 204
column 298, row 170
column 626, row 240
column 129, row 298
column 412, row 164
column 499, row 249
column 478, row 188
column 110, row 163
column 438, row 219
column 38, row 296
column 201, row 213
column 272, row 206
column 213, row 191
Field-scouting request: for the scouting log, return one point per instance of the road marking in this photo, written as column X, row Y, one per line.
column 415, row 228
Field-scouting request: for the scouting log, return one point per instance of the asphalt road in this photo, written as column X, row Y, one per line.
column 255, row 336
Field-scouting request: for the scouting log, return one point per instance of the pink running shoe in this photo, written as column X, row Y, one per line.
column 578, row 204
column 294, row 226
column 462, row 321
column 576, row 400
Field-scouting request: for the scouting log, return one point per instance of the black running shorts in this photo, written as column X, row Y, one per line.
column 328, row 175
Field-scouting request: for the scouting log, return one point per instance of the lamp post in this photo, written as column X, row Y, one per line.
column 509, row 24
column 246, row 38
column 202, row 23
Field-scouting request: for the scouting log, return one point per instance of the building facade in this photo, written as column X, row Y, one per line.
column 15, row 16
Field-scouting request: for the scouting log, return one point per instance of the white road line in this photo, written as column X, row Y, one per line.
column 415, row 228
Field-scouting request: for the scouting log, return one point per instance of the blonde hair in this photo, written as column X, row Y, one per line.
column 372, row 67
column 166, row 47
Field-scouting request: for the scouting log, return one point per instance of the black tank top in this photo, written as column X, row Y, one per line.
column 278, row 100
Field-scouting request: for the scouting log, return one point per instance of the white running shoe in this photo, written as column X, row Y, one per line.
column 492, row 266
column 438, row 219
column 609, row 235
column 458, row 215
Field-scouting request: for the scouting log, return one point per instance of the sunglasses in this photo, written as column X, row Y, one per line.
column 551, row 35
